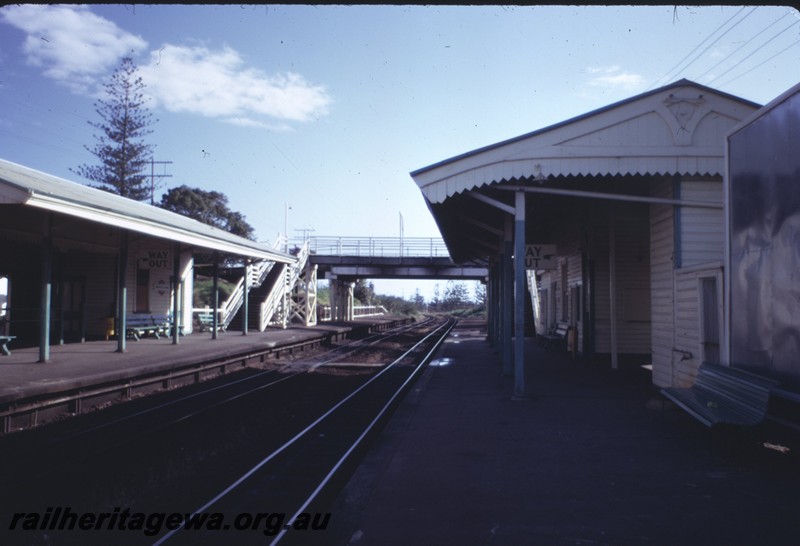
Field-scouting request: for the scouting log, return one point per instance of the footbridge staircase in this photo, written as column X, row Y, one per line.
column 278, row 294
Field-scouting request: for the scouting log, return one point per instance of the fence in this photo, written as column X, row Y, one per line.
column 324, row 311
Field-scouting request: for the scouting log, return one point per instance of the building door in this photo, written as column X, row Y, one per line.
column 142, row 302
column 70, row 310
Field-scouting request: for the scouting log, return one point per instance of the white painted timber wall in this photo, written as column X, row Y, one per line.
column 675, row 295
column 701, row 228
column 662, row 283
column 552, row 285
column 161, row 300
column 633, row 279
column 98, row 272
column 688, row 352
column 631, row 230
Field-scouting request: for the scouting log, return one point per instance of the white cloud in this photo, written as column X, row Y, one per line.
column 216, row 83
column 613, row 77
column 80, row 49
column 72, row 45
column 249, row 122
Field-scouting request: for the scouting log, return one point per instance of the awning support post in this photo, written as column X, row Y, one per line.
column 176, row 290
column 246, row 296
column 612, row 287
column 519, row 295
column 507, row 294
column 47, row 289
column 122, row 291
column 215, row 298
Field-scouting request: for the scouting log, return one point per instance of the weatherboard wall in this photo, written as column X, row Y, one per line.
column 662, row 283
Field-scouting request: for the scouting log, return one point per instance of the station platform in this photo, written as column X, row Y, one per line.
column 82, row 366
column 590, row 456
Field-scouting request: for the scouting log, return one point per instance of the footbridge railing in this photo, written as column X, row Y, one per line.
column 258, row 272
column 417, row 247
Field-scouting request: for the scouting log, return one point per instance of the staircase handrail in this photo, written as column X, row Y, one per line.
column 282, row 290
column 257, row 273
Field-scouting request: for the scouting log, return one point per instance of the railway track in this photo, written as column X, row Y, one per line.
column 268, row 444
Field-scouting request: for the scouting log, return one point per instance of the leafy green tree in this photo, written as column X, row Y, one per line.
column 120, row 146
column 208, row 207
column 204, row 290
column 480, row 294
column 364, row 292
column 456, row 295
column 436, row 302
column 418, row 299
column 399, row 306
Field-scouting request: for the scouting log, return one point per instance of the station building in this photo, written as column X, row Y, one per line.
column 622, row 209
column 77, row 261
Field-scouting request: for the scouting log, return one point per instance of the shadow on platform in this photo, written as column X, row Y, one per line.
column 589, row 457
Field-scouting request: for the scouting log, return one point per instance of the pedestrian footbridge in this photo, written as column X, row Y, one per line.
column 353, row 258
column 279, row 294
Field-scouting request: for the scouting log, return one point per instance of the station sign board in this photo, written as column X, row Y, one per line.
column 540, row 256
column 153, row 259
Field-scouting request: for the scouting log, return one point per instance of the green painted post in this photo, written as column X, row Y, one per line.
column 519, row 296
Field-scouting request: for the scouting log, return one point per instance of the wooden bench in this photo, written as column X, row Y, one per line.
column 138, row 326
column 724, row 395
column 557, row 336
column 164, row 322
column 4, row 341
column 206, row 321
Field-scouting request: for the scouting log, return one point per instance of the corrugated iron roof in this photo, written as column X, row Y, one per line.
column 25, row 186
column 676, row 129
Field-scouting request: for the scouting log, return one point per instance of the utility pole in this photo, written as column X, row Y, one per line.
column 305, row 232
column 286, row 209
column 401, row 234
column 153, row 177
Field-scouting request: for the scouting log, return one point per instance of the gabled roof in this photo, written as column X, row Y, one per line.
column 24, row 186
column 676, row 129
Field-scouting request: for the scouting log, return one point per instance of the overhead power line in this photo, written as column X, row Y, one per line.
column 759, row 48
column 718, row 38
column 762, row 62
column 727, row 57
column 671, row 70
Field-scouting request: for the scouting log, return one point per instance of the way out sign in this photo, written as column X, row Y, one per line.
column 540, row 257
column 153, row 259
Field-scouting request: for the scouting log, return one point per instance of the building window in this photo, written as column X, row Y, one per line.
column 4, row 304
column 710, row 317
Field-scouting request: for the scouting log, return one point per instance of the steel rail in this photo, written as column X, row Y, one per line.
column 337, row 353
column 34, row 406
column 369, row 428
column 244, row 477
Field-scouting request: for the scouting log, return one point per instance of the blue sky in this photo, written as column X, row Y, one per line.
column 324, row 110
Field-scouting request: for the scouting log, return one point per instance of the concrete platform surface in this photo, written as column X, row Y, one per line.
column 79, row 365
column 588, row 458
